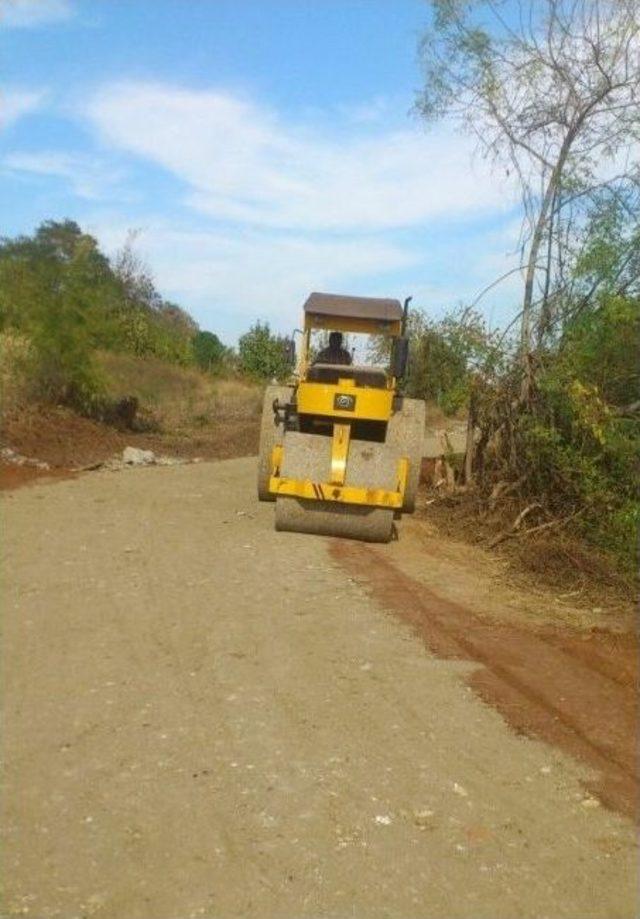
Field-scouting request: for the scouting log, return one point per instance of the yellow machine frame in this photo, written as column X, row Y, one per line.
column 318, row 400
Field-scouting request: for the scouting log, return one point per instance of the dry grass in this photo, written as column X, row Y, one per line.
column 436, row 418
column 560, row 562
column 14, row 379
column 178, row 397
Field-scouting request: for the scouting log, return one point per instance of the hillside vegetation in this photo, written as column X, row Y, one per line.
column 92, row 334
column 177, row 398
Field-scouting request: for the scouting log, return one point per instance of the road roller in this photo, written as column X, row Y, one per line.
column 340, row 446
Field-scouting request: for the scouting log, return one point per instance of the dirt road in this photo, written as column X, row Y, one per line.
column 208, row 718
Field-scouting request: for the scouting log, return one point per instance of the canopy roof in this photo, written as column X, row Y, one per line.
column 375, row 308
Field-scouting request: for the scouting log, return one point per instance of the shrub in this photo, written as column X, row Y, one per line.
column 261, row 354
column 444, row 356
column 66, row 299
column 208, row 350
column 573, row 446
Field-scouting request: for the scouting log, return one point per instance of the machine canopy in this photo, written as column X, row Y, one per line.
column 321, row 307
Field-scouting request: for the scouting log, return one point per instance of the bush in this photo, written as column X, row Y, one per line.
column 51, row 302
column 15, row 357
column 208, row 351
column 444, row 355
column 573, row 445
column 63, row 296
column 583, row 449
column 261, row 354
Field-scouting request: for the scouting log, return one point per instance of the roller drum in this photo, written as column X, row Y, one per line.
column 370, row 465
column 329, row 518
column 270, row 435
column 405, row 433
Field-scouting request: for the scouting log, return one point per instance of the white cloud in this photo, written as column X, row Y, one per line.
column 28, row 14
column 16, row 103
column 375, row 110
column 89, row 177
column 242, row 163
column 230, row 279
column 277, row 208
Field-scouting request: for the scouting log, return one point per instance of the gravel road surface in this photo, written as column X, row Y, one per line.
column 205, row 718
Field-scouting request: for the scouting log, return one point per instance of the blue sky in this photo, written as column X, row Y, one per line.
column 260, row 149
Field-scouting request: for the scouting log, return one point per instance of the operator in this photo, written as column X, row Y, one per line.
column 335, row 353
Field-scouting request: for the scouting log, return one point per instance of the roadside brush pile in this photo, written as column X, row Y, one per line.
column 551, row 465
column 554, row 409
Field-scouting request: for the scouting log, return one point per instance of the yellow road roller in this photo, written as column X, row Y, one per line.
column 340, row 446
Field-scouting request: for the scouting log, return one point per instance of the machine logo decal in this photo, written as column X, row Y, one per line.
column 344, row 402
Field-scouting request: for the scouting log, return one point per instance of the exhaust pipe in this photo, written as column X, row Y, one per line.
column 405, row 314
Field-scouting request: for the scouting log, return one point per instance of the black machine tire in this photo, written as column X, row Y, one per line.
column 271, row 434
column 405, row 431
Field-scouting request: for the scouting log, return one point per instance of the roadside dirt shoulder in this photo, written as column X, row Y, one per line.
column 66, row 443
column 555, row 674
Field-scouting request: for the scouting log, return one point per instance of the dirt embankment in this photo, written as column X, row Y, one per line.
column 66, row 442
column 151, row 404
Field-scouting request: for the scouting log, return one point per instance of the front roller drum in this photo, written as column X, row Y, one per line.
column 326, row 518
column 405, row 432
column 271, row 435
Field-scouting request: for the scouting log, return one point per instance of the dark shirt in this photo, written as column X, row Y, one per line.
column 333, row 356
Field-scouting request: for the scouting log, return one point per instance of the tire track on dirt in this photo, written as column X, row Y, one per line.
column 545, row 685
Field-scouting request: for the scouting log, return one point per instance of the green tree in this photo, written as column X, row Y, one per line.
column 53, row 299
column 177, row 320
column 445, row 354
column 262, row 354
column 65, row 299
column 149, row 324
column 208, row 350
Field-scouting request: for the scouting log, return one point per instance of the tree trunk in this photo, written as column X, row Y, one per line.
column 532, row 261
column 470, row 444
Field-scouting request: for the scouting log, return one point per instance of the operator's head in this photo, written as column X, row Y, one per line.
column 335, row 340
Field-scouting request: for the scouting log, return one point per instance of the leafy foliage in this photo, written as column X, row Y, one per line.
column 444, row 356
column 66, row 299
column 573, row 447
column 583, row 436
column 56, row 289
column 149, row 325
column 208, row 351
column 261, row 353
column 549, row 90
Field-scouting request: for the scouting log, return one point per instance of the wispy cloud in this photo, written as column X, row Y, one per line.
column 372, row 111
column 89, row 176
column 242, row 163
column 284, row 205
column 231, row 278
column 16, row 103
column 28, row 14
column 272, row 207
column 228, row 278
